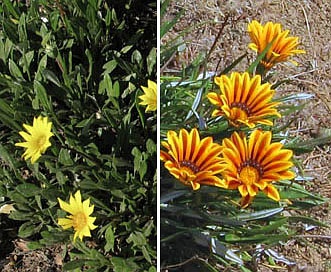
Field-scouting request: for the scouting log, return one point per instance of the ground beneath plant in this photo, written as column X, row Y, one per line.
column 311, row 22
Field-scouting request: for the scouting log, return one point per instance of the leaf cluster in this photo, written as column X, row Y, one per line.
column 81, row 63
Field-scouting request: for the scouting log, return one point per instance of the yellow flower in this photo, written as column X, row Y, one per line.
column 243, row 100
column 149, row 97
column 282, row 47
column 254, row 164
column 191, row 160
column 80, row 218
column 37, row 138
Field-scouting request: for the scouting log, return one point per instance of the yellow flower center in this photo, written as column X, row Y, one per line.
column 40, row 141
column 249, row 175
column 79, row 221
column 250, row 172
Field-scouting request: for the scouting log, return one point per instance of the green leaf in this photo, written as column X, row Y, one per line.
column 172, row 195
column 110, row 239
column 150, row 146
column 41, row 67
column 108, row 18
column 86, row 122
column 60, row 177
column 114, row 17
column 309, row 145
column 106, row 85
column 124, row 265
column 258, row 238
column 41, row 94
column 64, row 157
column 9, row 121
column 11, row 9
column 260, row 57
column 258, row 214
column 115, row 90
column 10, row 29
column 164, row 7
column 126, row 49
column 54, row 19
column 137, row 238
column 146, row 254
column 109, row 66
column 22, row 30
column 7, row 158
column 2, row 51
column 89, row 184
column 4, row 106
column 307, row 220
column 28, row 189
column 71, row 265
column 14, row 70
column 148, row 228
column 139, row 162
column 118, row 193
column 53, row 236
column 151, row 61
column 33, row 245
column 27, row 229
column 90, row 61
column 26, row 61
column 8, row 48
column 18, row 215
column 136, row 57
column 50, row 75
column 152, row 269
column 244, row 269
column 3, row 190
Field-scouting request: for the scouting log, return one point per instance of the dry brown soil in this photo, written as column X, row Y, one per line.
column 311, row 22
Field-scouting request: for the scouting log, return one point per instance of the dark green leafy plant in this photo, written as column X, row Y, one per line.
column 81, row 64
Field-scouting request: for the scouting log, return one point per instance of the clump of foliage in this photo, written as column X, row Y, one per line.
column 226, row 200
column 81, row 64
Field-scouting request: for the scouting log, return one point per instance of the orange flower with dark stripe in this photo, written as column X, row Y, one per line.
column 253, row 165
column 244, row 100
column 192, row 160
column 283, row 46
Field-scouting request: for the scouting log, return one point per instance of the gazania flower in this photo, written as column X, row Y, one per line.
column 244, row 100
column 149, row 97
column 254, row 164
column 80, row 218
column 282, row 47
column 37, row 138
column 191, row 160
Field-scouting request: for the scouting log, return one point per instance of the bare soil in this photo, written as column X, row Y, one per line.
column 311, row 22
column 21, row 259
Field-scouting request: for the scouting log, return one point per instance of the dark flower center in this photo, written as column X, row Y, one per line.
column 241, row 106
column 190, row 165
column 251, row 163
